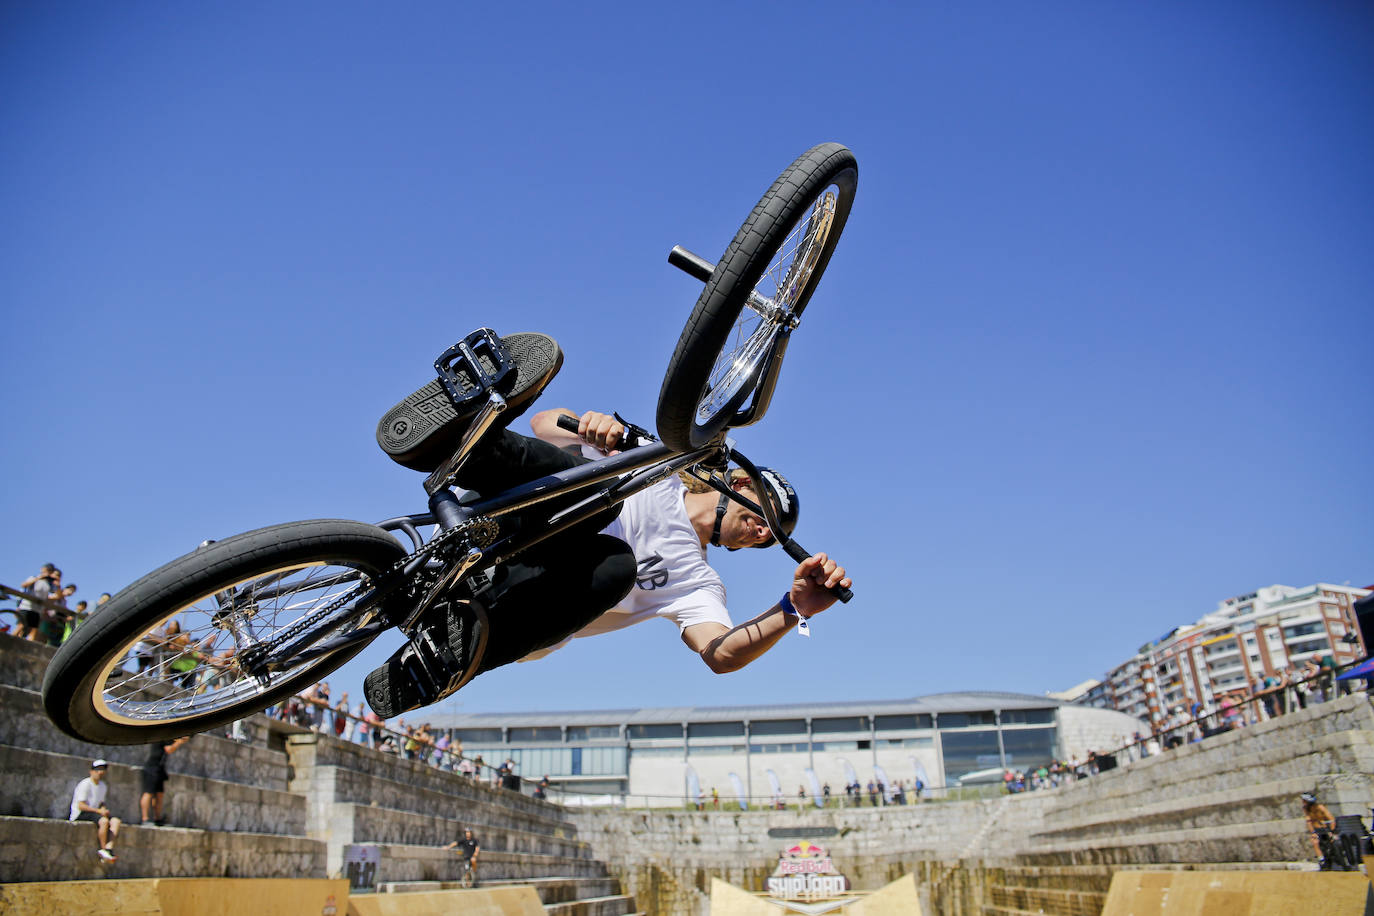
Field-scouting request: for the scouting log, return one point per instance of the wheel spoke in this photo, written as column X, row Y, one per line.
column 768, row 307
column 196, row 670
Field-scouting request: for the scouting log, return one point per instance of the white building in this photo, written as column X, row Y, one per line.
column 649, row 752
column 1250, row 636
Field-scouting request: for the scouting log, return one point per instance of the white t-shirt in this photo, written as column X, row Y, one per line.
column 90, row 792
column 673, row 580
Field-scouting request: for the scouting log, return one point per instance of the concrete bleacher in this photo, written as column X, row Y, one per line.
column 1230, row 798
column 284, row 805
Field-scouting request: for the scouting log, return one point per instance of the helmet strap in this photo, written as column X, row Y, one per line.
column 721, row 505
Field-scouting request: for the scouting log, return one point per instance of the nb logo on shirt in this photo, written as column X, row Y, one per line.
column 649, row 577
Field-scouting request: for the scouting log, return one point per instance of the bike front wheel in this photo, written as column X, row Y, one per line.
column 754, row 299
column 170, row 655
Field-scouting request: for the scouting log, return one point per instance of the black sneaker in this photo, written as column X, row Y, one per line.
column 452, row 639
column 425, row 429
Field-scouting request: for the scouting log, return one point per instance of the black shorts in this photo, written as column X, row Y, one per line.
column 30, row 619
column 92, row 816
column 154, row 780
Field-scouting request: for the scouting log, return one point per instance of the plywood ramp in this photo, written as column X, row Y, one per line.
column 896, row 899
column 178, row 897
column 496, row 901
column 1238, row 893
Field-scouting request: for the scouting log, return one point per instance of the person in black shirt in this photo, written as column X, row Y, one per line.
column 155, row 781
column 467, row 847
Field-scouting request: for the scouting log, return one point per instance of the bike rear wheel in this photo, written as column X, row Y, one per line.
column 739, row 328
column 223, row 597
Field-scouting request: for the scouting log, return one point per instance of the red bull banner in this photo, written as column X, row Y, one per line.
column 806, row 872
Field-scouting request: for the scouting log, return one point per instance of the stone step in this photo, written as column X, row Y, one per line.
column 475, row 803
column 38, row 849
column 1062, row 902
column 375, row 824
column 321, row 752
column 24, row 724
column 1270, row 801
column 618, row 905
column 1093, row 878
column 1309, row 765
column 404, row 864
column 560, row 889
column 22, row 663
column 40, row 784
column 1267, row 841
column 1336, row 737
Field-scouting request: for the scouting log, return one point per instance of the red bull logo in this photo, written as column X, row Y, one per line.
column 806, row 872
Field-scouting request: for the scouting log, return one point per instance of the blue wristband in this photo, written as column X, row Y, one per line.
column 789, row 610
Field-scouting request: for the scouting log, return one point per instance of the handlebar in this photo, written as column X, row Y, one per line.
column 794, row 550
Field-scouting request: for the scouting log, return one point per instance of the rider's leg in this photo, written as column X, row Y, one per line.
column 552, row 592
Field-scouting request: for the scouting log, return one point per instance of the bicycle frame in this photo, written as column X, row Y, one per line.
column 629, row 472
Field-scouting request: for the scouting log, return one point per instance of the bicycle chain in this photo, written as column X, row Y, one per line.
column 482, row 531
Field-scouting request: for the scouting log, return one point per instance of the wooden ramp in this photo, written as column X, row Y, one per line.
column 253, row 897
column 1238, row 893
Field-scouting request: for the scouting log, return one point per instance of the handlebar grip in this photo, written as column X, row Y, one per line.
column 567, row 421
column 690, row 263
column 800, row 553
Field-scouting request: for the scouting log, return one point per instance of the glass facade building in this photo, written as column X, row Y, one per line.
column 938, row 739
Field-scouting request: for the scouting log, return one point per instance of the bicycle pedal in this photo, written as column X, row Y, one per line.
column 485, row 362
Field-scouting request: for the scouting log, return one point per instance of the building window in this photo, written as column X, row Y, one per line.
column 778, row 727
column 1028, row 717
column 715, row 729
column 592, row 732
column 901, row 723
column 479, row 735
column 655, row 731
column 966, row 719
column 847, row 724
column 534, row 734
column 969, row 752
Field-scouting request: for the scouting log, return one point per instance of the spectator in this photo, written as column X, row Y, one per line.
column 77, row 618
column 179, row 660
column 155, row 781
column 28, row 611
column 541, row 791
column 342, row 727
column 441, row 758
column 52, row 624
column 374, row 726
column 825, row 793
column 88, row 804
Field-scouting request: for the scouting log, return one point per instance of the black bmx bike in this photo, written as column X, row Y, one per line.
column 265, row 613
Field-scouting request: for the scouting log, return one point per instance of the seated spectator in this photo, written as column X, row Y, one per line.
column 88, row 804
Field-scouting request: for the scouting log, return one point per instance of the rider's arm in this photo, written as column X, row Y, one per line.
column 725, row 649
column 599, row 430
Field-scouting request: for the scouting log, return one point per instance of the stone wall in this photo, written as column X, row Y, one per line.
column 1231, row 799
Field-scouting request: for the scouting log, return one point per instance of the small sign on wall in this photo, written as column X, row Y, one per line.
column 360, row 864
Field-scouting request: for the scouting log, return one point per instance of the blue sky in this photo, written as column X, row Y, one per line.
column 1093, row 353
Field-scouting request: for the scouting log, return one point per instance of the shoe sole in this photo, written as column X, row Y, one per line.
column 389, row 703
column 423, row 430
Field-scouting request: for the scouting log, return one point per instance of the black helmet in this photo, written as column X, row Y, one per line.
column 784, row 499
